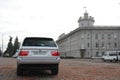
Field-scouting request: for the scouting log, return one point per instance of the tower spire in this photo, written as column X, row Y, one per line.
column 85, row 9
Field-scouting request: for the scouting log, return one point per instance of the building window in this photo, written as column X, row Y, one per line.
column 97, row 44
column 88, row 45
column 109, row 36
column 109, row 45
column 119, row 54
column 115, row 45
column 102, row 36
column 96, row 36
column 97, row 54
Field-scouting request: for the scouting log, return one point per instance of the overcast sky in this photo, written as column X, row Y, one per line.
column 50, row 18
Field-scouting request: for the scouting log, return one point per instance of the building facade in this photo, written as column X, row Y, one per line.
column 88, row 40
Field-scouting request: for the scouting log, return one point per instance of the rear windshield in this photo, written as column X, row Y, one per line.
column 42, row 42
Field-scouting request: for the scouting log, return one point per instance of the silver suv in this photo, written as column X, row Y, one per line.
column 38, row 53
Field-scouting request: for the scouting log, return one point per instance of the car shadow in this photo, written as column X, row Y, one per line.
column 37, row 73
column 34, row 75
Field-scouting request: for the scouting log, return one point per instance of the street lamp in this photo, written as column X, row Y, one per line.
column 2, row 43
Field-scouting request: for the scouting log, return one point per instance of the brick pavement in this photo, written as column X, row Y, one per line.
column 87, row 69
column 70, row 69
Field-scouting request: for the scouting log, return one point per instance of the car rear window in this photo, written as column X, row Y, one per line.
column 42, row 42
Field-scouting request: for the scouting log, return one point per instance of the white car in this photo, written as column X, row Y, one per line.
column 111, row 56
column 38, row 53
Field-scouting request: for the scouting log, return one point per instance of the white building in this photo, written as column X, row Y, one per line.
column 88, row 40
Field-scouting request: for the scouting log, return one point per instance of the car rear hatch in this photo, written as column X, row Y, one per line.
column 39, row 50
column 39, row 55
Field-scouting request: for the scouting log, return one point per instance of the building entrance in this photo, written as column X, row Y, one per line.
column 82, row 53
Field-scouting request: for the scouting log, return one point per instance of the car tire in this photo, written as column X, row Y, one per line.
column 19, row 71
column 114, row 60
column 55, row 70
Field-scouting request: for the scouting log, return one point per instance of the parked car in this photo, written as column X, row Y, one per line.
column 38, row 53
column 15, row 55
column 111, row 56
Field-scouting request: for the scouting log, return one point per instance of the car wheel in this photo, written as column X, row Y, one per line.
column 19, row 71
column 114, row 60
column 55, row 70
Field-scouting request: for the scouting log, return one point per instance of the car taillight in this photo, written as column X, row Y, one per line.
column 23, row 53
column 55, row 53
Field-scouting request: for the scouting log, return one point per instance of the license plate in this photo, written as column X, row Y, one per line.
column 39, row 52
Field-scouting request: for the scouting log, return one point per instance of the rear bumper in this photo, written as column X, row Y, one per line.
column 38, row 66
column 21, row 60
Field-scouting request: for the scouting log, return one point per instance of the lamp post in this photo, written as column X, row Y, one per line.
column 2, row 43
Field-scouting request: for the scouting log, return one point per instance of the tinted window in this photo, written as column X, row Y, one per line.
column 113, row 54
column 42, row 42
